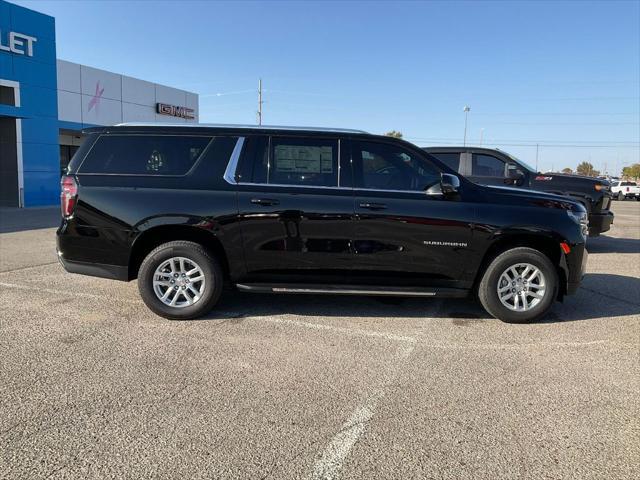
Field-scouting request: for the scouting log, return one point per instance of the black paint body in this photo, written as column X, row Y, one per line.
column 579, row 188
column 331, row 236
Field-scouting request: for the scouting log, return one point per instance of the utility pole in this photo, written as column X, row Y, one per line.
column 260, row 102
column 537, row 146
column 466, row 114
column 481, row 135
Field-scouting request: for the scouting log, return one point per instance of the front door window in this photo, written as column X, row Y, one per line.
column 487, row 166
column 389, row 167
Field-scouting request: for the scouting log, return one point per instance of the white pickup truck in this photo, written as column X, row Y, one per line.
column 621, row 190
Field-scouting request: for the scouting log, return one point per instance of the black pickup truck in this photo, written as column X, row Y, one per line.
column 488, row 166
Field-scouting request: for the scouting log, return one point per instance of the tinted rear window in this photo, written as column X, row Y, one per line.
column 144, row 154
column 450, row 159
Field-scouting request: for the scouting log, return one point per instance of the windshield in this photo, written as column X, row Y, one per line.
column 524, row 164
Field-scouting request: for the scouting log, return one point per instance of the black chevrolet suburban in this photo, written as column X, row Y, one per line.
column 187, row 208
column 490, row 166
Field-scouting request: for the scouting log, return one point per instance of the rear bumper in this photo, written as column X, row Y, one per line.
column 103, row 270
column 600, row 223
column 76, row 251
column 114, row 272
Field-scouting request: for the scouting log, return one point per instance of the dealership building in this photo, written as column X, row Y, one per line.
column 46, row 102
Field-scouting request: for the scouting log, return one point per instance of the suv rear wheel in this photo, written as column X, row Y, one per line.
column 519, row 286
column 180, row 280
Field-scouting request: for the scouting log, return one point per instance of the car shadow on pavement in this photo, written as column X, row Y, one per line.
column 21, row 219
column 605, row 244
column 600, row 296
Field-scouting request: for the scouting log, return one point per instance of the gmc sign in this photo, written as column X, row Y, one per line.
column 175, row 111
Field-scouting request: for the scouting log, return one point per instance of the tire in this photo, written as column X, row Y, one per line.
column 621, row 196
column 493, row 279
column 204, row 294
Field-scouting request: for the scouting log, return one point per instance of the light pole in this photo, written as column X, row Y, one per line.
column 466, row 114
column 260, row 102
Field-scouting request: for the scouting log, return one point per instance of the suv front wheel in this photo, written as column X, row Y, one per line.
column 180, row 280
column 519, row 286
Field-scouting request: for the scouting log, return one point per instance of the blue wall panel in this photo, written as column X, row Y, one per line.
column 36, row 73
column 37, row 186
column 38, row 101
column 6, row 63
column 40, row 154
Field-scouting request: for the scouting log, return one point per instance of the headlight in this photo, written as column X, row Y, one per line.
column 581, row 219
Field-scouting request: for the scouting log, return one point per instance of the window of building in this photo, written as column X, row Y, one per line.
column 66, row 154
column 388, row 167
column 144, row 154
column 487, row 166
column 7, row 96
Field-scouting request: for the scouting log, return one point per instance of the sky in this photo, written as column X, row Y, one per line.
column 561, row 75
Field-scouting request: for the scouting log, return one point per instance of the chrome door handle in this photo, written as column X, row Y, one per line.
column 373, row 206
column 265, row 202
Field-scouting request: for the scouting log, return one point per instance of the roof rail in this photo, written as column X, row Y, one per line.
column 248, row 127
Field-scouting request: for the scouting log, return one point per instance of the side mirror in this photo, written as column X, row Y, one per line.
column 449, row 183
column 516, row 175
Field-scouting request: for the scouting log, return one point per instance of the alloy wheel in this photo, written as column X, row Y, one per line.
column 179, row 282
column 521, row 287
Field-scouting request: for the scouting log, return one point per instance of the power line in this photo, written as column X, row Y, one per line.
column 552, row 114
column 508, row 144
column 565, row 123
column 541, row 142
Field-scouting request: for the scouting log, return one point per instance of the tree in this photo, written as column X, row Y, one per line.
column 394, row 134
column 567, row 170
column 585, row 168
column 632, row 171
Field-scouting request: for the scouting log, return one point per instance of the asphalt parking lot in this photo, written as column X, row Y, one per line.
column 93, row 385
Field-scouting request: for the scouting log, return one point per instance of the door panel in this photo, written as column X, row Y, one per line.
column 290, row 233
column 297, row 222
column 414, row 240
column 402, row 235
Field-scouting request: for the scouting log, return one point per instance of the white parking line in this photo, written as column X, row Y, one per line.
column 350, row 331
column 328, row 466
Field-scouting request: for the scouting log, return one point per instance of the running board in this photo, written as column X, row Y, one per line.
column 352, row 290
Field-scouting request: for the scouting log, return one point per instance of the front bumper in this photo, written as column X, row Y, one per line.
column 600, row 223
column 577, row 270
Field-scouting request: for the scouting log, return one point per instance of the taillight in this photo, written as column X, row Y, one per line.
column 68, row 195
